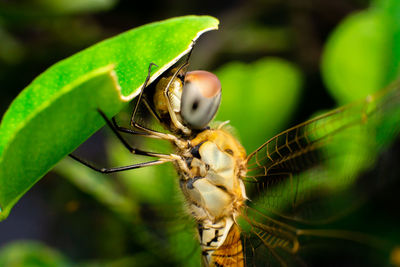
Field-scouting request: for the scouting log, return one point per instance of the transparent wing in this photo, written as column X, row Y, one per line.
column 293, row 173
column 316, row 172
column 290, row 173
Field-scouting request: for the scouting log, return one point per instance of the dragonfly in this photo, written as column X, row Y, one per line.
column 242, row 203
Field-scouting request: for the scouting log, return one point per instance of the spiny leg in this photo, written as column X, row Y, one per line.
column 134, row 123
column 127, row 145
column 163, row 157
column 152, row 110
column 141, row 93
column 188, row 57
column 119, row 169
column 130, row 131
column 133, row 132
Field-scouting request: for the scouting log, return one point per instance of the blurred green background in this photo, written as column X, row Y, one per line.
column 279, row 62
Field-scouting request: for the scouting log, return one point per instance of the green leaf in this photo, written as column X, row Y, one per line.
column 259, row 89
column 391, row 8
column 357, row 56
column 31, row 253
column 363, row 53
column 57, row 111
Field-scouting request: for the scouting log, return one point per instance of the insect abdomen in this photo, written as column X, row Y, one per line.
column 230, row 253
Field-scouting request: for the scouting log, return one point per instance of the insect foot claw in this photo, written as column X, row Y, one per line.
column 153, row 64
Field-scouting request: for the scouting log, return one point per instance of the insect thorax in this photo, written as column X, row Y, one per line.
column 210, row 179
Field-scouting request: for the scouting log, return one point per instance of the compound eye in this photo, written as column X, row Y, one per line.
column 201, row 96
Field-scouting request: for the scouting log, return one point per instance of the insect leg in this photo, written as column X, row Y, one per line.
column 163, row 157
column 141, row 95
column 128, row 146
column 186, row 64
column 118, row 169
column 133, row 123
column 151, row 110
column 151, row 133
column 170, row 111
column 130, row 131
column 133, row 132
